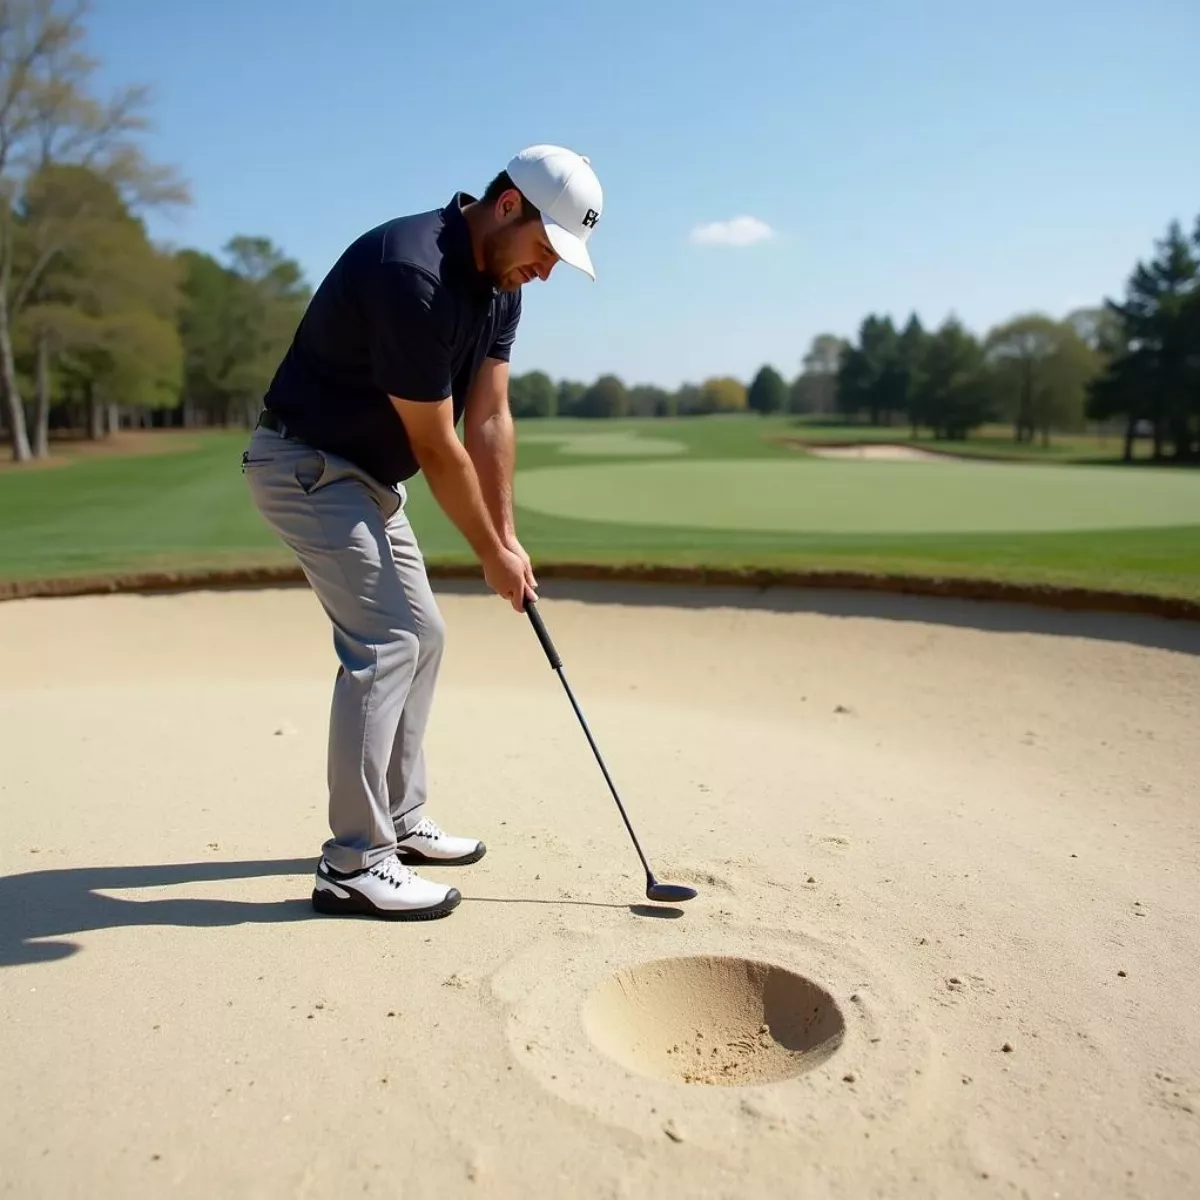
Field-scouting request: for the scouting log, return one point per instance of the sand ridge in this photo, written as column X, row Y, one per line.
column 972, row 828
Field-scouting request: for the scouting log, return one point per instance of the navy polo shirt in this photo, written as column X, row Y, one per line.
column 404, row 311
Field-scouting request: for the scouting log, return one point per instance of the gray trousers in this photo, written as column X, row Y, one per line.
column 357, row 549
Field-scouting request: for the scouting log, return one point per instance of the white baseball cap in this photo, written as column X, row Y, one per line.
column 565, row 189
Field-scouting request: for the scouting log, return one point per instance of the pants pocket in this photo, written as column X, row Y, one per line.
column 249, row 461
column 261, row 451
column 310, row 471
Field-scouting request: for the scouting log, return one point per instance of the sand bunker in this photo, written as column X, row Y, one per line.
column 946, row 855
column 877, row 451
column 714, row 1020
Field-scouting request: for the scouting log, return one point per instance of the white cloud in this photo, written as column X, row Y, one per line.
column 740, row 231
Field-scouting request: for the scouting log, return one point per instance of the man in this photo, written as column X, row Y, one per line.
column 410, row 332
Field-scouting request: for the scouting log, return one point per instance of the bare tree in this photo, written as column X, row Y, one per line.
column 48, row 118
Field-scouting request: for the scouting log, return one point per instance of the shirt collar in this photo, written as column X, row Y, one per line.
column 458, row 247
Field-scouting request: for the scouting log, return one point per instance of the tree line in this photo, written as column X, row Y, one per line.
column 101, row 329
column 1135, row 361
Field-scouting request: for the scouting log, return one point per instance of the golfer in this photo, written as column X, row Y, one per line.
column 409, row 333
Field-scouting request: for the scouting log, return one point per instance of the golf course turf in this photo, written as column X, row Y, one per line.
column 863, row 498
column 713, row 493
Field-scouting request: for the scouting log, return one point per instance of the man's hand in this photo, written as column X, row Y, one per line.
column 519, row 550
column 506, row 575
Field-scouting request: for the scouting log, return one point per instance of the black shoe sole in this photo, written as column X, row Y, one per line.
column 355, row 906
column 415, row 856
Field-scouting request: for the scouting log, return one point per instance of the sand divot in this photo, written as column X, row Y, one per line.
column 610, row 1018
column 702, row 877
column 717, row 1020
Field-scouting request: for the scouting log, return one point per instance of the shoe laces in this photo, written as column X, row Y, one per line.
column 427, row 828
column 393, row 871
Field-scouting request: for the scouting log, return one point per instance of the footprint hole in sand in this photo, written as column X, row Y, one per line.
column 721, row 1021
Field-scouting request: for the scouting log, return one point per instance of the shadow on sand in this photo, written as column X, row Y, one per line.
column 54, row 904
column 993, row 616
column 40, row 905
column 663, row 912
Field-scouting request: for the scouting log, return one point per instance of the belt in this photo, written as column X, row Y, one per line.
column 273, row 421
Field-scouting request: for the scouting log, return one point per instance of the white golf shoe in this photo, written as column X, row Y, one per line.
column 387, row 889
column 427, row 843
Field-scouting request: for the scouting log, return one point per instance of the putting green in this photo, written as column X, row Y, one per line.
column 608, row 445
column 818, row 496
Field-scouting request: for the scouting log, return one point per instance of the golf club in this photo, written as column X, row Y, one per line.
column 654, row 889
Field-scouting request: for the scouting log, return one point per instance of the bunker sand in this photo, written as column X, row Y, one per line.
column 878, row 451
column 945, row 942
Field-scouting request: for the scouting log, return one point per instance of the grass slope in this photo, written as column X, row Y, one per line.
column 191, row 509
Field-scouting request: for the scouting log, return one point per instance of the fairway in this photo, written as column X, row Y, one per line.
column 864, row 497
column 685, row 493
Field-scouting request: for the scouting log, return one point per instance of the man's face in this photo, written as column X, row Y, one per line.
column 516, row 251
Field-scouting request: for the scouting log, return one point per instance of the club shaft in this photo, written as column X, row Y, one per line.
column 612, row 787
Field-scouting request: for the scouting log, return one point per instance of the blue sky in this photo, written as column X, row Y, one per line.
column 942, row 157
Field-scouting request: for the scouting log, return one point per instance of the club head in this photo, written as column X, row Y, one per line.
column 669, row 893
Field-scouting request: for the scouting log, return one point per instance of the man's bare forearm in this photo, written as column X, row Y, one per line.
column 492, row 447
column 452, row 478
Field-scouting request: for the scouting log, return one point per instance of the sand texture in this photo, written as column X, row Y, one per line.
column 946, row 941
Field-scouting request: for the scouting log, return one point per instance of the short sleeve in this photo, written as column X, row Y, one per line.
column 410, row 335
column 502, row 343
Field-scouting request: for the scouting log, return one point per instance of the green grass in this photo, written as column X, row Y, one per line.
column 815, row 497
column 190, row 509
column 117, row 514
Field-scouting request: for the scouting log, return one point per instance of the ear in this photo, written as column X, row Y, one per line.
column 507, row 208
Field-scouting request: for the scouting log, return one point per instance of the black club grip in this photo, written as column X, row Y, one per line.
column 539, row 628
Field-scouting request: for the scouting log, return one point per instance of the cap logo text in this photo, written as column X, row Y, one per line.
column 590, row 218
